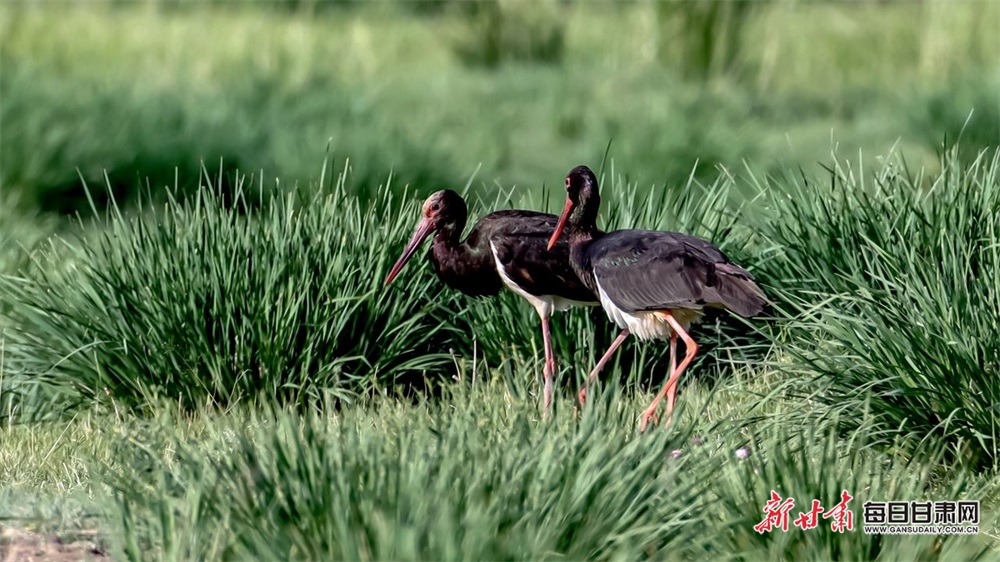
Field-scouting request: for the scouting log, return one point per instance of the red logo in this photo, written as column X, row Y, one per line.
column 776, row 512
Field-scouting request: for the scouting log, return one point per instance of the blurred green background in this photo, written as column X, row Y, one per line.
column 513, row 91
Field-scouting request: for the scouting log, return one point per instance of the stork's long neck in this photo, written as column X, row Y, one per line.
column 466, row 265
column 579, row 262
column 582, row 231
column 447, row 249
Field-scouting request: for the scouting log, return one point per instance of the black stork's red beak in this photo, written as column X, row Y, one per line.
column 562, row 223
column 424, row 229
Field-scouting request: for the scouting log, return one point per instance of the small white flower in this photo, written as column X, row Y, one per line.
column 742, row 453
column 676, row 453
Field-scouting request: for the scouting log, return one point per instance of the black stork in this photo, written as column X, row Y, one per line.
column 653, row 284
column 505, row 248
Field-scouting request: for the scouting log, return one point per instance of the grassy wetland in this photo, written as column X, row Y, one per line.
column 199, row 202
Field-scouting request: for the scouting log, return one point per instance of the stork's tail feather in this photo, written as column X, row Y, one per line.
column 738, row 292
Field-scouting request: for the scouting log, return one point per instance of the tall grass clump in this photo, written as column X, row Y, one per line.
column 218, row 301
column 477, row 478
column 894, row 281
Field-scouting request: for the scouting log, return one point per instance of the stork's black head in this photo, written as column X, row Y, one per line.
column 583, row 201
column 444, row 208
column 581, row 185
column 444, row 211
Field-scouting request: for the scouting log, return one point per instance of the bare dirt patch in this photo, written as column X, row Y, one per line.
column 21, row 545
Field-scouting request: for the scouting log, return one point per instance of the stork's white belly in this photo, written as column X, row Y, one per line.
column 646, row 325
column 544, row 304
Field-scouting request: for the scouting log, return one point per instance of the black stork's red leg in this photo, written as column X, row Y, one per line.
column 673, row 367
column 670, row 388
column 600, row 364
column 550, row 364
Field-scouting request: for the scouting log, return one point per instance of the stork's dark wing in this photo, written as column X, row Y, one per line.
column 654, row 270
column 521, row 240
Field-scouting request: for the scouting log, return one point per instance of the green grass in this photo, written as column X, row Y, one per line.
column 224, row 297
column 902, row 265
column 21, row 232
column 476, row 475
column 171, row 450
column 209, row 367
column 147, row 95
